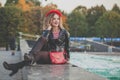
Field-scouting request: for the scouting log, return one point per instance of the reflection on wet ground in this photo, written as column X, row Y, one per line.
column 60, row 72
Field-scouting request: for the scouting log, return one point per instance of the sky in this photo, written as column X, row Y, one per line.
column 69, row 5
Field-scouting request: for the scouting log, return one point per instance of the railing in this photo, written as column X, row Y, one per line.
column 24, row 46
column 28, row 36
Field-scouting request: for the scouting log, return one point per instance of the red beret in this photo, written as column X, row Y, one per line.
column 54, row 11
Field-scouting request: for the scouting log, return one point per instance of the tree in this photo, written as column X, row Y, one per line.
column 25, row 5
column 81, row 9
column 93, row 15
column 11, row 2
column 10, row 21
column 108, row 25
column 116, row 8
column 32, row 21
column 77, row 22
column 22, row 4
column 35, row 2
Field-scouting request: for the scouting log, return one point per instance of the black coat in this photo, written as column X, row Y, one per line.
column 62, row 43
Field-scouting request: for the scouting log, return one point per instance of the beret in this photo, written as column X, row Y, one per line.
column 54, row 11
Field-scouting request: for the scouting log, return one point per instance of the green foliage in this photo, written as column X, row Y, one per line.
column 32, row 21
column 10, row 21
column 77, row 22
column 81, row 9
column 11, row 2
column 116, row 8
column 92, row 16
column 36, row 2
column 108, row 25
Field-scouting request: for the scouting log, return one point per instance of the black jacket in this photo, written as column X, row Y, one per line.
column 60, row 44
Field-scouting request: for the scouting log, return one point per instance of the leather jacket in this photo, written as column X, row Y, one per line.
column 60, row 44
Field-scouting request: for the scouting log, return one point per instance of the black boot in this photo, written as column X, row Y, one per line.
column 14, row 67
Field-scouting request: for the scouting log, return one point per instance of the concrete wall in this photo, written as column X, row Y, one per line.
column 100, row 47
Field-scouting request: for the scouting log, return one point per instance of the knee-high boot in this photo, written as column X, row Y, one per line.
column 14, row 67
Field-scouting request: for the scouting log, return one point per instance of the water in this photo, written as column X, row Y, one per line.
column 105, row 66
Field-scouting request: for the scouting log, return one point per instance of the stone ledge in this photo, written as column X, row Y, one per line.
column 60, row 72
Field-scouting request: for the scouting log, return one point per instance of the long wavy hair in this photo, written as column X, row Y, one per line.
column 48, row 19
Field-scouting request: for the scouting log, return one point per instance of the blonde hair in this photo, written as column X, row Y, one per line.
column 48, row 19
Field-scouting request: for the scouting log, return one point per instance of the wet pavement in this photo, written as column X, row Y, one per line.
column 60, row 72
column 6, row 56
column 44, row 71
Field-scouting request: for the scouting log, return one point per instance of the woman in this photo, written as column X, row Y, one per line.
column 54, row 38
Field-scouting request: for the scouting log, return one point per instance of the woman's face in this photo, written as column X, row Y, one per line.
column 55, row 21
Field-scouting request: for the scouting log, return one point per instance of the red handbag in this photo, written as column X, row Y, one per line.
column 57, row 57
